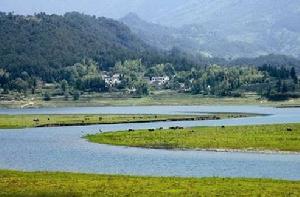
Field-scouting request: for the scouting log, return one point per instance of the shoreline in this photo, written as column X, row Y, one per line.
column 156, row 99
column 213, row 150
column 8, row 121
column 224, row 150
column 141, row 176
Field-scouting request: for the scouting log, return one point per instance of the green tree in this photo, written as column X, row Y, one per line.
column 142, row 89
column 47, row 96
column 64, row 85
column 169, row 70
column 76, row 95
column 294, row 75
column 284, row 88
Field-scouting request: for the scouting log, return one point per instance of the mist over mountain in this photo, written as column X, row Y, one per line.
column 193, row 39
column 231, row 28
column 157, row 35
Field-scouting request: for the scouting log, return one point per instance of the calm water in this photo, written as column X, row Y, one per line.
column 63, row 149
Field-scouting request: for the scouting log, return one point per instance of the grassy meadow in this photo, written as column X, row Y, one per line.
column 17, row 184
column 282, row 137
column 156, row 98
column 22, row 121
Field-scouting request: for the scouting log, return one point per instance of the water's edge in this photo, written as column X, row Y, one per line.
column 63, row 149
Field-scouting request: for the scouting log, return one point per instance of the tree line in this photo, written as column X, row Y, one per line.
column 74, row 50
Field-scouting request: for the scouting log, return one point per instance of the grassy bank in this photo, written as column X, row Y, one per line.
column 14, row 184
column 23, row 121
column 284, row 137
column 157, row 98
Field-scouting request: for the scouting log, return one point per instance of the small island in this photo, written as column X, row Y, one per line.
column 258, row 138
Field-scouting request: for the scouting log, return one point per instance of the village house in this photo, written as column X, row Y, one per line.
column 159, row 80
column 112, row 80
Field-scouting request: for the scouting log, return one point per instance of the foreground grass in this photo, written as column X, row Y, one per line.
column 284, row 137
column 22, row 121
column 14, row 184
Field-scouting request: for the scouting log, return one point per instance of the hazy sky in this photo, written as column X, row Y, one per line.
column 95, row 7
column 167, row 12
column 108, row 8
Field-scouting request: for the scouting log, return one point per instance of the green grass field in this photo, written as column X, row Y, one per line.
column 22, row 121
column 284, row 137
column 17, row 184
column 156, row 98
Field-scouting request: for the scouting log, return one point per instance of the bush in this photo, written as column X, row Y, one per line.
column 76, row 96
column 47, row 96
column 282, row 96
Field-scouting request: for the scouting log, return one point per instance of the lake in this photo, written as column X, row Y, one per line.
column 63, row 149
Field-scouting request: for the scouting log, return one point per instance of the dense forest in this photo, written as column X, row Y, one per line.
column 41, row 44
column 78, row 53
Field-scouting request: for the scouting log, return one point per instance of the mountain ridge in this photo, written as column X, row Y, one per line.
column 244, row 28
column 39, row 42
column 200, row 39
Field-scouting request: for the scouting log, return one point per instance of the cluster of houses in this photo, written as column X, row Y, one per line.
column 113, row 80
column 158, row 82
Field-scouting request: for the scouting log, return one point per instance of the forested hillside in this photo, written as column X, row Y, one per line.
column 74, row 54
column 211, row 41
column 194, row 39
column 42, row 44
column 221, row 28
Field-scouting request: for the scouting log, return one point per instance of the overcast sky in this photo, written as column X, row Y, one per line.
column 108, row 8
column 167, row 12
column 94, row 7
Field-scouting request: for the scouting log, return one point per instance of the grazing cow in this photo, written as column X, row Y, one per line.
column 36, row 120
column 289, row 129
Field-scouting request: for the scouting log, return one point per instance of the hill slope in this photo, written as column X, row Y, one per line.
column 212, row 40
column 39, row 43
column 239, row 27
column 189, row 38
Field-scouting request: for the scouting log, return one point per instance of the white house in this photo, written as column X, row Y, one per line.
column 159, row 80
column 112, row 80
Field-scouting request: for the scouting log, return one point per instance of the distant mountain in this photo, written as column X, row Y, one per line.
column 189, row 38
column 39, row 43
column 255, row 27
column 227, row 28
column 157, row 35
column 221, row 42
